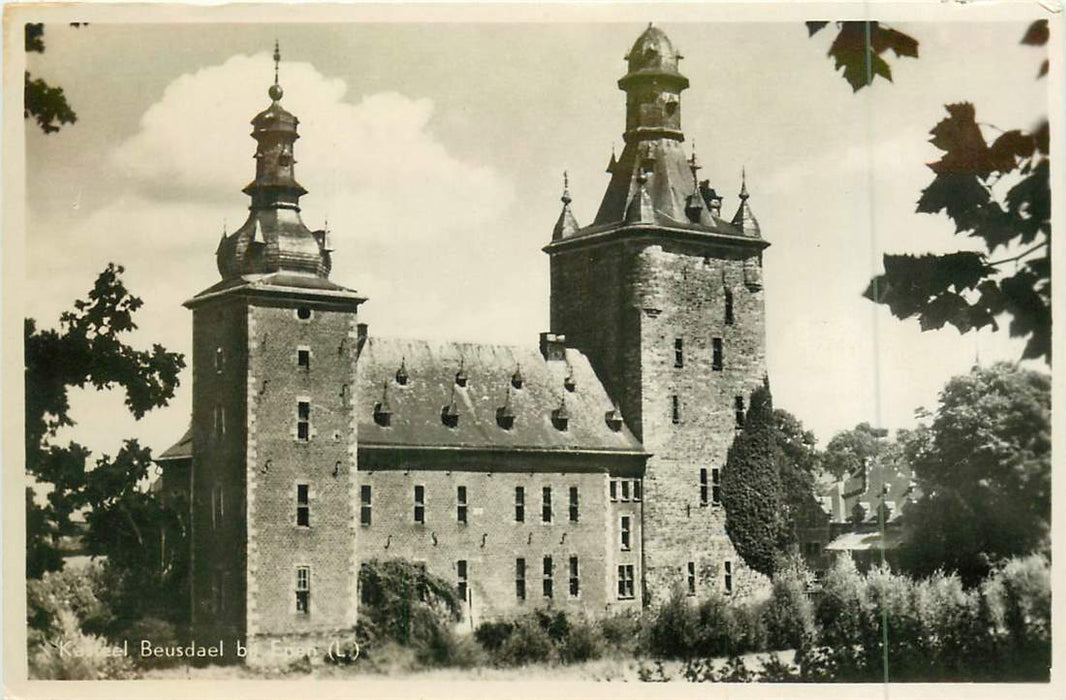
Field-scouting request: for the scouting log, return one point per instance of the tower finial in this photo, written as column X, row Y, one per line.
column 566, row 188
column 743, row 183
column 275, row 91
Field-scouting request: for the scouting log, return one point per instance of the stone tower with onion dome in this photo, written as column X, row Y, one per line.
column 273, row 476
column 665, row 297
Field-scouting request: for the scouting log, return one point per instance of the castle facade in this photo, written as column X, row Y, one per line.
column 579, row 473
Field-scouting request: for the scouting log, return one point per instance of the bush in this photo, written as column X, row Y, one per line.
column 492, row 635
column 79, row 592
column 673, row 631
column 583, row 643
column 1017, row 597
column 70, row 654
column 528, row 643
column 402, row 602
column 789, row 615
column 621, row 632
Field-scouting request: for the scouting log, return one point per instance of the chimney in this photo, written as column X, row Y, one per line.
column 553, row 347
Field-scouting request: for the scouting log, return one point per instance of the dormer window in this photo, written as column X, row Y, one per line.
column 401, row 373
column 613, row 419
column 505, row 416
column 561, row 417
column 516, row 379
column 449, row 415
column 382, row 414
column 568, row 383
column 460, row 376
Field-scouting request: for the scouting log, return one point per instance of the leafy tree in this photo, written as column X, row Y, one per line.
column 751, row 487
column 45, row 103
column 984, row 473
column 849, row 450
column 798, row 461
column 997, row 193
column 88, row 350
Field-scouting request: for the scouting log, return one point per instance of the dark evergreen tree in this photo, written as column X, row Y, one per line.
column 751, row 488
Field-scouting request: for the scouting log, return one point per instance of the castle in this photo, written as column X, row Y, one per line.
column 580, row 474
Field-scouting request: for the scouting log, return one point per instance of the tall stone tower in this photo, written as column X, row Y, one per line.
column 665, row 298
column 274, row 447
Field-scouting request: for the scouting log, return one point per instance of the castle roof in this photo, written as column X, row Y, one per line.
column 182, row 449
column 557, row 405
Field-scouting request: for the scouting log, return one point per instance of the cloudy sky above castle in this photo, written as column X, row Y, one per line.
column 436, row 154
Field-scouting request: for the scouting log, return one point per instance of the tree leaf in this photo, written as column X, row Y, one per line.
column 1036, row 34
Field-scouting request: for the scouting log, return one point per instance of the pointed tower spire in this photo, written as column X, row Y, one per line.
column 566, row 225
column 613, row 163
column 744, row 219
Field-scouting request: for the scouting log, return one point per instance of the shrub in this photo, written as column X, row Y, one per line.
column 673, row 631
column 583, row 643
column 621, row 632
column 789, row 615
column 1017, row 597
column 71, row 654
column 80, row 592
column 492, row 635
column 404, row 603
column 554, row 623
column 527, row 643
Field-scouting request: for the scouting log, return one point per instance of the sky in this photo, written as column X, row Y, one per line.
column 435, row 152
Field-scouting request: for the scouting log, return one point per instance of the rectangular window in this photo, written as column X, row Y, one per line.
column 626, row 534
column 420, row 504
column 729, row 577
column 303, row 590
column 575, row 581
column 460, row 500
column 716, row 486
column 638, row 488
column 692, row 578
column 574, row 506
column 220, row 421
column 218, row 505
column 220, row 360
column 716, row 354
column 365, row 495
column 303, row 505
column 729, row 307
column 625, row 489
column 548, row 572
column 738, row 411
column 460, row 570
column 679, row 352
column 675, row 409
column 614, row 489
column 520, row 578
column 546, row 504
column 625, row 581
column 519, row 504
column 303, row 358
column 303, row 420
column 703, row 487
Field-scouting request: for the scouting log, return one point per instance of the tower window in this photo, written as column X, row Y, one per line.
column 220, row 421
column 520, row 578
column 548, row 580
column 575, row 581
column 460, row 571
column 738, row 411
column 637, row 489
column 220, row 360
column 625, row 581
column 614, row 489
column 729, row 307
column 716, row 354
column 703, row 487
column 679, row 352
column 303, row 590
column 692, row 578
column 675, row 409
column 460, row 500
column 519, row 504
column 365, row 495
column 728, row 580
column 420, row 504
column 303, row 358
column 303, row 313
column 218, row 505
column 716, row 486
column 303, row 505
column 627, row 535
column 625, row 489
column 574, row 514
column 303, row 420
column 546, row 504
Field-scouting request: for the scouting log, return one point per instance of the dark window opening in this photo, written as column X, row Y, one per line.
column 692, row 578
column 303, row 358
column 738, row 411
column 303, row 313
column 638, row 488
column 303, row 505
column 546, row 504
column 625, row 581
column 548, row 573
column 716, row 486
column 614, row 489
column 460, row 498
column 729, row 577
column 519, row 504
column 625, row 489
column 460, row 570
column 303, row 590
column 626, row 534
column 420, row 504
column 303, row 420
column 679, row 352
column 675, row 409
column 365, row 504
column 729, row 307
column 520, row 578
column 574, row 514
column 575, row 582
column 716, row 354
column 703, row 487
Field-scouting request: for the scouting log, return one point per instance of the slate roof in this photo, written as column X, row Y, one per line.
column 182, row 449
column 431, row 369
